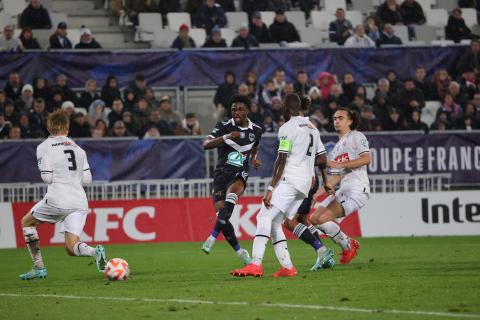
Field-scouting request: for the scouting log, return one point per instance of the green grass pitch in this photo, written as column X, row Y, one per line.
column 420, row 278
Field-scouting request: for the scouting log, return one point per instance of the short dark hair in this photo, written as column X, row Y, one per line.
column 190, row 115
column 305, row 103
column 240, row 98
column 352, row 115
column 293, row 102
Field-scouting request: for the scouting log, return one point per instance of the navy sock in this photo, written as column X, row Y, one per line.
column 314, row 231
column 229, row 234
column 303, row 233
column 224, row 214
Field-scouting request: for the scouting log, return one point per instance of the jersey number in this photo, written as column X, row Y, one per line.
column 71, row 159
column 309, row 150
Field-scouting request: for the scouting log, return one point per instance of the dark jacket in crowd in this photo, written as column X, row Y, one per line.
column 13, row 93
column 260, row 33
column 35, row 18
column 211, row 44
column 301, row 89
column 55, row 42
column 274, row 5
column 420, row 125
column 385, row 15
column 224, row 92
column 80, row 131
column 245, row 43
column 86, row 99
column 93, row 44
column 285, row 31
column 227, row 5
column 30, row 44
column 412, row 14
column 457, row 30
column 208, row 18
column 67, row 93
column 404, row 98
column 385, row 40
column 166, row 6
column 109, row 94
column 339, row 31
column 467, row 62
column 178, row 43
column 250, row 6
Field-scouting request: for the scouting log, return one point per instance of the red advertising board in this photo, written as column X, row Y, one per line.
column 160, row 220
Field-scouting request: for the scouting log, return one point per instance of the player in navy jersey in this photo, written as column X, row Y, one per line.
column 237, row 142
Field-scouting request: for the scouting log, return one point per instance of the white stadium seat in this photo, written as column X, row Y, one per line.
column 470, row 16
column 5, row 20
column 321, row 19
column 74, row 36
column 163, row 38
column 198, row 35
column 436, row 17
column 332, row 5
column 365, row 6
column 425, row 33
column 268, row 17
column 147, row 24
column 57, row 17
column 176, row 19
column 297, row 18
column 448, row 5
column 228, row 34
column 235, row 19
column 312, row 36
column 401, row 32
column 13, row 7
column 355, row 17
column 425, row 4
column 443, row 43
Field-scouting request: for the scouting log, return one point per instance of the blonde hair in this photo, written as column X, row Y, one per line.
column 58, row 122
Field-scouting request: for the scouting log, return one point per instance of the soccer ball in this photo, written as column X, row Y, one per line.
column 117, row 269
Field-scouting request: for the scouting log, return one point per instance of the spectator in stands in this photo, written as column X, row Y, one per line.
column 336, row 95
column 193, row 6
column 441, row 82
column 25, row 128
column 59, row 39
column 412, row 13
column 116, row 113
column 456, row 28
column 315, row 98
column 422, row 83
column 38, row 116
column 359, row 38
column 389, row 12
column 284, row 5
column 141, row 114
column 128, row 10
column 244, row 39
column 225, row 91
column 381, row 107
column 252, row 6
column 459, row 96
column 9, row 112
column 243, row 90
column 368, row 121
column 452, row 110
column 359, row 103
column 87, row 41
column 151, row 133
column 349, row 86
column 156, row 121
column 287, row 89
column 258, row 29
column 227, row 5
column 24, row 103
column 409, row 99
column 100, row 129
column 215, row 39
column 118, row 130
column 362, row 91
column 276, row 109
column 27, row 39
column 394, row 121
column 171, row 116
column 371, row 29
column 4, row 126
column 254, row 89
column 138, row 86
column 3, row 98
column 281, row 30
column 57, row 99
column 110, row 90
column 269, row 91
column 14, row 133
column 96, row 112
column 79, row 127
column 388, row 36
column 394, row 84
column 69, row 108
column 255, row 113
column 318, row 118
column 89, row 94
column 416, row 123
column 183, row 40
column 210, row 15
column 324, row 82
column 468, row 83
column 35, row 16
column 62, row 85
column 269, row 125
column 151, row 99
column 279, row 79
column 302, row 84
column 8, row 43
column 129, row 100
column 130, row 124
column 471, row 112
column 41, row 88
column 470, row 60
column 13, row 88
column 340, row 29
column 189, row 126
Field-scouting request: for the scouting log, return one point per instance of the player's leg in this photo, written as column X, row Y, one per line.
column 73, row 226
column 280, row 247
column 32, row 241
column 217, row 228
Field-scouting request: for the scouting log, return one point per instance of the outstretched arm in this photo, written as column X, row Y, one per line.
column 278, row 169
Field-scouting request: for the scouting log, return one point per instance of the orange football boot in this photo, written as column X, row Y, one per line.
column 284, row 272
column 250, row 269
column 348, row 255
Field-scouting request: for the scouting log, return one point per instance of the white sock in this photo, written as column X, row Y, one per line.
column 259, row 245
column 332, row 230
column 81, row 249
column 280, row 245
column 262, row 235
column 32, row 240
column 211, row 240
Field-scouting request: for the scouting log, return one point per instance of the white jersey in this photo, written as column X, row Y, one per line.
column 350, row 147
column 66, row 162
column 301, row 140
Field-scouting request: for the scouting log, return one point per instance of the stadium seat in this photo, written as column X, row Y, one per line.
column 13, row 7
column 321, row 19
column 268, row 17
column 425, row 4
column 443, row 43
column 401, row 32
column 364, row 6
column 312, row 36
column 416, row 43
column 163, row 38
column 147, row 23
column 470, row 16
column 235, row 19
column 228, row 34
column 437, row 17
column 5, row 20
column 297, row 18
column 176, row 19
column 448, row 5
column 332, row 5
column 57, row 17
column 354, row 16
column 74, row 36
column 42, row 36
column 198, row 35
column 429, row 113
column 268, row 45
column 425, row 33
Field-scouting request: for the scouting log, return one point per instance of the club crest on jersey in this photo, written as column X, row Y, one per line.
column 236, row 159
column 251, row 136
column 342, row 158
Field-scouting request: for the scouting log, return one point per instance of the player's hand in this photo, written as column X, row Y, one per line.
column 267, row 198
column 256, row 163
column 328, row 188
column 334, row 164
column 234, row 135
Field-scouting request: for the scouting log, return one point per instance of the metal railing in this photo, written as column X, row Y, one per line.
column 202, row 188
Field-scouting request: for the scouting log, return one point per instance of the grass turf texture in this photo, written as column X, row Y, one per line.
column 437, row 274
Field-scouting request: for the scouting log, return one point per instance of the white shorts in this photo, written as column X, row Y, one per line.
column 287, row 199
column 350, row 200
column 73, row 220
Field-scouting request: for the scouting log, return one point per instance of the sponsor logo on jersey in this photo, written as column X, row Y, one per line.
column 251, row 136
column 236, row 159
column 342, row 158
column 66, row 143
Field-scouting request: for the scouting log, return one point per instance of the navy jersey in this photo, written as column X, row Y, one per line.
column 234, row 154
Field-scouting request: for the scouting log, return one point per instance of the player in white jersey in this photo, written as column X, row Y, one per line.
column 292, row 178
column 64, row 167
column 351, row 155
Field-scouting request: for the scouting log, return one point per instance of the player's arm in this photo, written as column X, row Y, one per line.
column 87, row 173
column 363, row 160
column 254, row 154
column 284, row 149
column 321, row 163
column 218, row 137
column 44, row 166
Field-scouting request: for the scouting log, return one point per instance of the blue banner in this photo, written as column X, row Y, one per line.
column 203, row 68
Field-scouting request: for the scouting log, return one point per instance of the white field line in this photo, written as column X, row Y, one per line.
column 244, row 303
